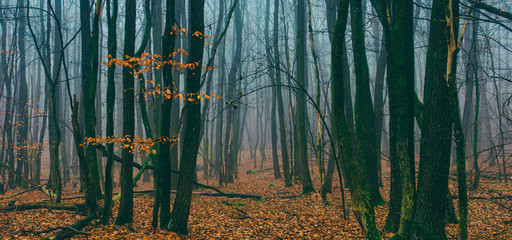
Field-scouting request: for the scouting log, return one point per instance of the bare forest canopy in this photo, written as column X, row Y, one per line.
column 390, row 110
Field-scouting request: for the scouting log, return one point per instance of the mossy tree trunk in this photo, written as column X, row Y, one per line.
column 363, row 108
column 354, row 170
column 400, row 74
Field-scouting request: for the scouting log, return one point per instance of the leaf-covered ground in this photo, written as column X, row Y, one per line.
column 271, row 217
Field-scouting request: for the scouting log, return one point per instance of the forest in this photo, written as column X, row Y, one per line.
column 262, row 119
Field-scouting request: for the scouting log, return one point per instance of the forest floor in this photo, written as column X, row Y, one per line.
column 271, row 217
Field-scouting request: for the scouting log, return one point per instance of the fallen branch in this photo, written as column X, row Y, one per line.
column 231, row 195
column 292, row 196
column 67, row 232
column 54, row 206
column 485, row 198
column 56, row 228
column 244, row 215
column 216, row 194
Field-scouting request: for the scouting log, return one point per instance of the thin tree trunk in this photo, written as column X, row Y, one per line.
column 272, row 99
column 112, row 11
column 164, row 159
column 280, row 104
column 474, row 56
column 307, row 185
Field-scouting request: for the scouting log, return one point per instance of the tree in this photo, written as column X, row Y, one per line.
column 126, row 203
column 400, row 74
column 429, row 219
column 280, row 104
column 229, row 139
column 112, row 11
column 89, row 67
column 319, row 138
column 363, row 107
column 164, row 159
column 181, row 208
column 9, row 108
column 307, row 185
column 354, row 170
column 22, row 103
column 272, row 75
column 55, row 134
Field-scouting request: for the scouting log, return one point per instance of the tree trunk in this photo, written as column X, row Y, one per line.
column 364, row 115
column 400, row 54
column 112, row 11
column 354, row 171
column 22, row 104
column 475, row 68
column 307, row 185
column 378, row 102
column 231, row 97
column 156, row 8
column 89, row 77
column 429, row 219
column 126, row 203
column 181, row 208
column 164, row 159
column 280, row 104
column 273, row 109
column 220, row 116
column 9, row 110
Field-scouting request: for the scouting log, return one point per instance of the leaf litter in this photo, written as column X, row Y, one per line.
column 272, row 217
